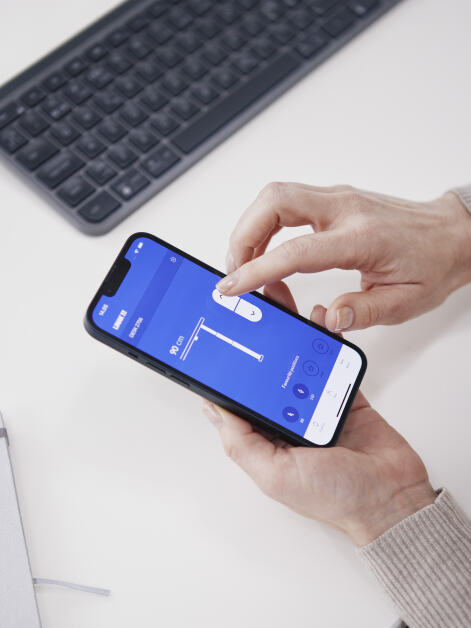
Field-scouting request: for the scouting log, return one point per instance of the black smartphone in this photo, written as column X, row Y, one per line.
column 248, row 354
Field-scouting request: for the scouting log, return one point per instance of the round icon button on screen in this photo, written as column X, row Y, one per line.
column 290, row 414
column 320, row 345
column 310, row 368
column 301, row 391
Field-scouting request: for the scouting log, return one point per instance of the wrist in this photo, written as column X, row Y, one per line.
column 395, row 509
column 458, row 238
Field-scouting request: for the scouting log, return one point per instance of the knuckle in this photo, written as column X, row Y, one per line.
column 272, row 192
column 232, row 451
column 293, row 249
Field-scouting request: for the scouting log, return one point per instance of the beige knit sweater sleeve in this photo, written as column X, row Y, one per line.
column 464, row 193
column 424, row 564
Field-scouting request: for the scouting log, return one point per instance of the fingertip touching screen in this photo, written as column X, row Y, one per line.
column 245, row 348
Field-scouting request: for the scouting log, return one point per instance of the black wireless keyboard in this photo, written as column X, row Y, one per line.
column 107, row 120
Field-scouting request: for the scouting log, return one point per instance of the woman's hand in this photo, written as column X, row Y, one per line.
column 366, row 484
column 411, row 256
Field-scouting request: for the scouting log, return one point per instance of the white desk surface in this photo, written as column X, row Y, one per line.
column 122, row 481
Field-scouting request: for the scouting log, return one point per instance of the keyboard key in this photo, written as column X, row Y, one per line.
column 252, row 24
column 339, row 23
column 188, row 41
column 55, row 107
column 282, row 33
column 227, row 109
column 310, row 44
column 179, row 17
column 98, row 76
column 225, row 77
column 184, row 108
column 301, row 18
column 264, row 47
column 10, row 113
column 160, row 161
column 55, row 81
column 34, row 123
column 159, row 7
column 205, row 93
column 164, row 123
column 65, row 133
column 363, row 7
column 33, row 97
column 122, row 155
column 149, row 70
column 59, row 169
column 271, row 10
column 174, row 83
column 153, row 98
column 234, row 39
column 37, row 152
column 169, row 57
column 214, row 53
column 90, row 145
column 138, row 22
column 118, row 62
column 228, row 12
column 76, row 66
column 208, row 27
column 112, row 130
column 128, row 85
column 99, row 207
column 322, row 6
column 130, row 184
column 139, row 48
column 160, row 32
column 75, row 191
column 200, row 7
column 143, row 139
column 97, row 52
column 245, row 62
column 12, row 140
column 100, row 172
column 132, row 114
column 77, row 92
column 108, row 101
column 117, row 37
column 195, row 68
column 87, row 118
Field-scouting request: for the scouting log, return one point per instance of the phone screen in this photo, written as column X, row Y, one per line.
column 245, row 348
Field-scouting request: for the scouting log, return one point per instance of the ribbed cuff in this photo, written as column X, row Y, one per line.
column 424, row 564
column 464, row 194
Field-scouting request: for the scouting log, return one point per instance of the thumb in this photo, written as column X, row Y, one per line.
column 382, row 305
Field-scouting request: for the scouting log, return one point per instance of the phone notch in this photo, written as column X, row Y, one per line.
column 116, row 276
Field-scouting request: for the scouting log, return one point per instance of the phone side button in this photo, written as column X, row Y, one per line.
column 180, row 381
column 155, row 368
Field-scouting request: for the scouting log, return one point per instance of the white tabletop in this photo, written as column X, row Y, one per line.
column 122, row 481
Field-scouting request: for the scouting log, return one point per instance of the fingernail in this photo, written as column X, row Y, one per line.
column 230, row 263
column 212, row 413
column 226, row 284
column 344, row 318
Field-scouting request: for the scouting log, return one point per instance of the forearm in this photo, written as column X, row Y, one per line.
column 424, row 564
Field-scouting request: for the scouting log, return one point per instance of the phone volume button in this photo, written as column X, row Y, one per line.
column 180, row 381
column 156, row 368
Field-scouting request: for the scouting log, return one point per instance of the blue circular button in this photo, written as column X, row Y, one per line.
column 320, row 345
column 311, row 368
column 301, row 391
column 290, row 414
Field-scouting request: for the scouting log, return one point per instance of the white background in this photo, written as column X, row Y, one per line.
column 122, row 481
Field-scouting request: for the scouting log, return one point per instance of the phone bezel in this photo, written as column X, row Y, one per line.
column 196, row 386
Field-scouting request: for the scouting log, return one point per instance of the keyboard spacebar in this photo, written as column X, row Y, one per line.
column 193, row 135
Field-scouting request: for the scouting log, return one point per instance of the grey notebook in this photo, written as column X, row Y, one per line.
column 18, row 607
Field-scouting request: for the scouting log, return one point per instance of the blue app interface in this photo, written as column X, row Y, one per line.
column 242, row 347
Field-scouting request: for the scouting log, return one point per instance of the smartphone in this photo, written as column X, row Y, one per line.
column 248, row 354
